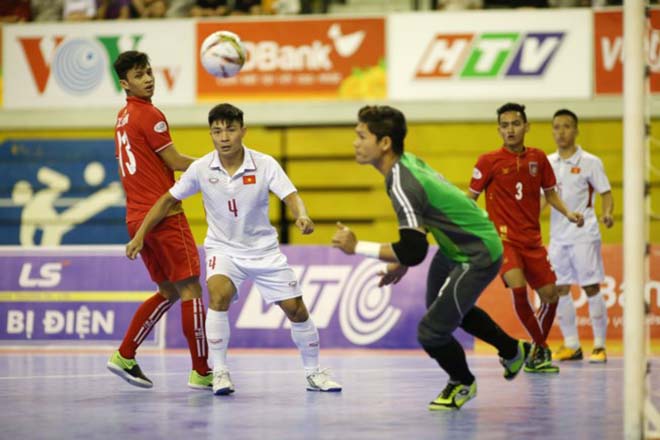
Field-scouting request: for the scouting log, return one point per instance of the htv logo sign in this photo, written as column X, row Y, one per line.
column 489, row 55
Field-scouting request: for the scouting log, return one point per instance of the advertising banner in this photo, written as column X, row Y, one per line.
column 71, row 65
column 339, row 58
column 60, row 192
column 608, row 50
column 485, row 55
column 78, row 295
column 89, row 294
column 498, row 302
column 69, row 296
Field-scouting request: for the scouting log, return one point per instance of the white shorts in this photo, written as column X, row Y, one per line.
column 272, row 274
column 580, row 263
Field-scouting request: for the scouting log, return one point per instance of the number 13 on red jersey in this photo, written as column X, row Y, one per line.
column 125, row 149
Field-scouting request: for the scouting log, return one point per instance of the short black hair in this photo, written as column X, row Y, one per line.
column 227, row 113
column 566, row 112
column 383, row 120
column 512, row 107
column 128, row 60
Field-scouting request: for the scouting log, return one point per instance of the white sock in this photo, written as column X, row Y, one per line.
column 306, row 337
column 598, row 314
column 217, row 336
column 566, row 317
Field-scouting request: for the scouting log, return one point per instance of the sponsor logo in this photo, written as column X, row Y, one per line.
column 80, row 65
column 489, row 55
column 365, row 312
column 50, row 275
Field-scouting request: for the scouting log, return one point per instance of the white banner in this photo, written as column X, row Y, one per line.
column 490, row 55
column 70, row 65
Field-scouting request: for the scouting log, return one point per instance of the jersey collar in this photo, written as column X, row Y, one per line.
column 136, row 100
column 522, row 153
column 574, row 159
column 248, row 162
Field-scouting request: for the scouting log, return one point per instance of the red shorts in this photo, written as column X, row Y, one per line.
column 169, row 251
column 533, row 262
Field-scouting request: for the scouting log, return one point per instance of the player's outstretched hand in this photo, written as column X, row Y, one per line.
column 133, row 248
column 392, row 274
column 305, row 224
column 344, row 239
column 607, row 220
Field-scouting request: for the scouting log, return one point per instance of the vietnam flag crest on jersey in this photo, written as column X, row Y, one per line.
column 249, row 180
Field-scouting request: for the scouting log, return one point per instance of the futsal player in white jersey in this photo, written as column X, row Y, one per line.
column 575, row 252
column 241, row 243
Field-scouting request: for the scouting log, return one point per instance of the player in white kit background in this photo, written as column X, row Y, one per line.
column 575, row 252
column 241, row 243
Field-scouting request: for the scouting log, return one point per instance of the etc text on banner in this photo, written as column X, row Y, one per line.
column 340, row 58
column 608, row 48
column 70, row 65
column 487, row 55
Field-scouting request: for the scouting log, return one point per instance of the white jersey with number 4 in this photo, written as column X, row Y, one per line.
column 578, row 179
column 237, row 206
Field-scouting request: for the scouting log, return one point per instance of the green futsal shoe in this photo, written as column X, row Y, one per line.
column 513, row 366
column 129, row 370
column 454, row 396
column 200, row 382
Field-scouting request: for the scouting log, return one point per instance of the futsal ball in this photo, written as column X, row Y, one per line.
column 222, row 54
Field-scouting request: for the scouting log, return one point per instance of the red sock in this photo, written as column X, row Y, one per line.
column 546, row 315
column 193, row 319
column 527, row 316
column 144, row 319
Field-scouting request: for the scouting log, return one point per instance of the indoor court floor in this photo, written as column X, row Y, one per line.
column 72, row 396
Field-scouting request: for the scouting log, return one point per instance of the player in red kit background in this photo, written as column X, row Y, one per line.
column 513, row 178
column 147, row 161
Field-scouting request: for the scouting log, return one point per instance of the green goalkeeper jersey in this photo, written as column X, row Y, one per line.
column 422, row 198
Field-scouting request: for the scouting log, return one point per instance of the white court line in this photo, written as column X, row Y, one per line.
column 264, row 372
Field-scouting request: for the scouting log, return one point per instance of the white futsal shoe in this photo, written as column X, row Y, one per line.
column 320, row 380
column 222, row 384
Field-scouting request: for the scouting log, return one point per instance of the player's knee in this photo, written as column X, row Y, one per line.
column 549, row 294
column 189, row 289
column 295, row 309
column 428, row 337
column 563, row 290
column 592, row 290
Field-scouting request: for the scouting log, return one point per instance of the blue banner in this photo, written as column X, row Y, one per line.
column 56, row 192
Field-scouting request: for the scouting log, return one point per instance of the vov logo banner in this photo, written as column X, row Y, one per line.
column 490, row 55
column 65, row 65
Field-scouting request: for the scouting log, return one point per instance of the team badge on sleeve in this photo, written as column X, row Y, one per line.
column 476, row 174
column 533, row 168
column 160, row 127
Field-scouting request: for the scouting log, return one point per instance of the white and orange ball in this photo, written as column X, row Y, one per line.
column 223, row 54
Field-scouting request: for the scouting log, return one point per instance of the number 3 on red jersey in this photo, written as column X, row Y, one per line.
column 125, row 149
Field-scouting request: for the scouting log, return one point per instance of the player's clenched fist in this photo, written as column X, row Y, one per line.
column 344, row 239
column 133, row 248
column 305, row 224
